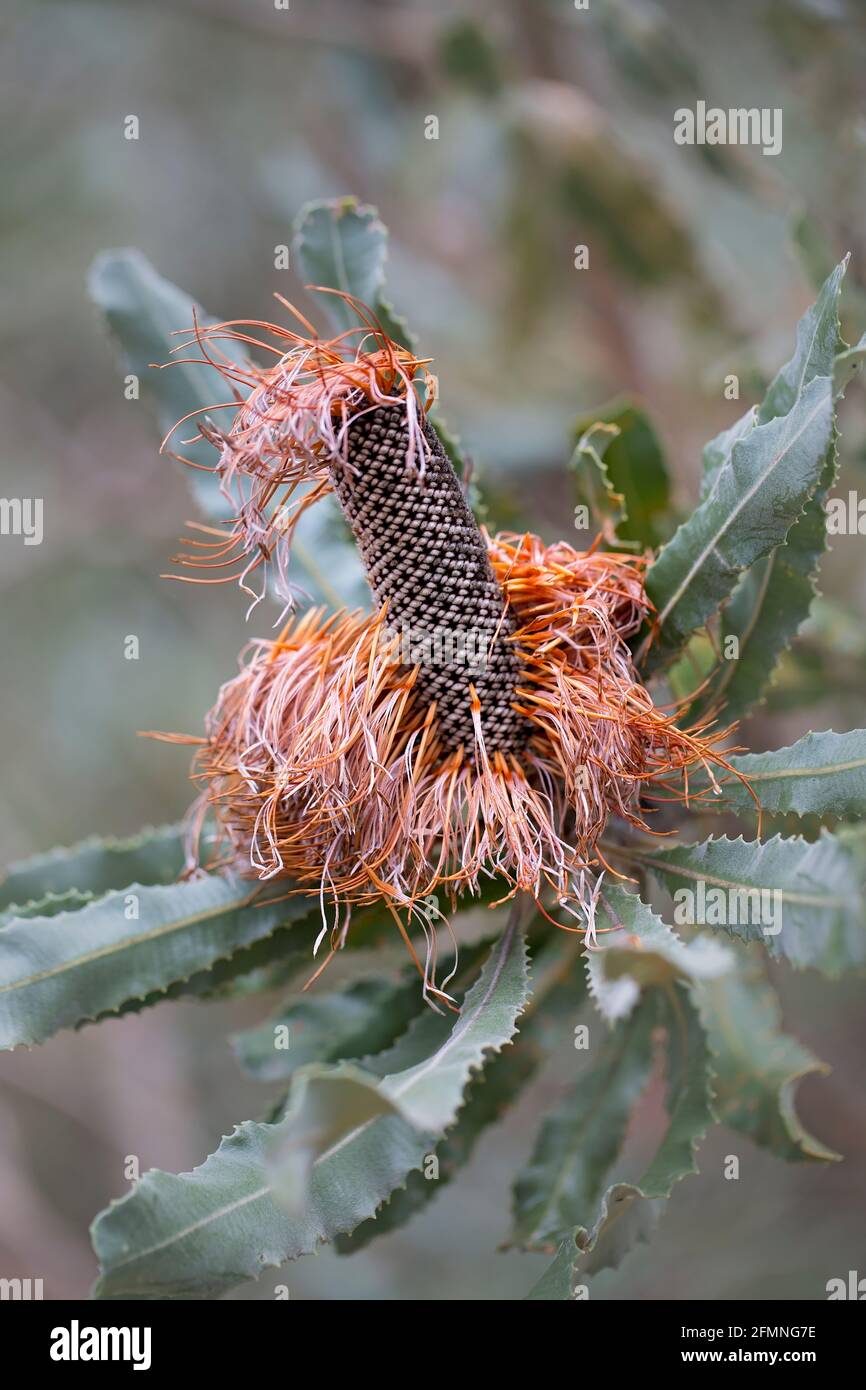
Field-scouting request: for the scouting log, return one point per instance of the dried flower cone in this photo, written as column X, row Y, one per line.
column 334, row 761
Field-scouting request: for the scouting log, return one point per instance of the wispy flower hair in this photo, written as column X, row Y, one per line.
column 364, row 770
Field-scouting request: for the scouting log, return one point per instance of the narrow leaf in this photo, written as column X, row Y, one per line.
column 343, row 245
column 822, row 774
column 773, row 599
column 363, row 1017
column 489, row 1095
column 628, row 1212
column 61, row 970
column 755, row 500
column 96, row 866
column 150, row 318
column 605, row 508
column 756, row 1066
column 635, row 467
column 579, row 1142
column 802, row 899
column 644, row 951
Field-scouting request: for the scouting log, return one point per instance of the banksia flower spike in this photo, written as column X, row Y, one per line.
column 483, row 722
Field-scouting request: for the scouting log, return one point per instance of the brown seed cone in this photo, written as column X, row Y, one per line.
column 425, row 555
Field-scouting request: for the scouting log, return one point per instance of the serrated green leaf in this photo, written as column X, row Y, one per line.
column 48, row 906
column 150, row 317
column 489, row 1095
column 96, row 866
column 628, row 1212
column 58, row 971
column 644, row 952
column 773, row 599
column 765, row 496
column 803, row 899
column 431, row 1092
column 579, row 1142
column 755, row 499
column 756, row 1066
column 822, row 774
column 592, row 485
column 559, row 1280
column 636, row 471
column 818, row 343
column 343, row 245
column 327, row 1106
column 200, row 1233
column 769, row 606
column 364, row 1017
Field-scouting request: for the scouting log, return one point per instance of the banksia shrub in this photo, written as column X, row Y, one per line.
column 494, row 752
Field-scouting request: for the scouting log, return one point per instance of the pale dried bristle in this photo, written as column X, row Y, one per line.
column 426, row 558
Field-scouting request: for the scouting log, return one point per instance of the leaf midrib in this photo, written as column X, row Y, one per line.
column 734, row 514
column 165, row 928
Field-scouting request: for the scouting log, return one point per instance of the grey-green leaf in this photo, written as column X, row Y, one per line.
column 200, row 1233
column 146, row 314
column 755, row 499
column 580, row 1140
column 755, row 1065
column 636, row 473
column 822, row 774
column 627, row 1212
column 489, row 1095
column 343, row 245
column 364, row 1017
column 150, row 318
column 803, row 899
column 96, row 866
column 61, row 970
column 644, row 952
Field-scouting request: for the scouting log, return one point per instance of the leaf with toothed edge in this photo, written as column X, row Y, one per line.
column 61, row 970
column 633, row 472
column 96, row 866
column 47, row 906
column 490, row 1094
column 342, row 244
column 628, row 1212
column 822, row 774
column 755, row 500
column 757, row 1067
column 592, row 485
column 803, row 899
column 773, row 600
column 645, row 951
column 580, row 1140
column 200, row 1233
column 363, row 1017
column 759, row 476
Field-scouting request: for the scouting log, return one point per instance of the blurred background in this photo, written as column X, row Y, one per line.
column 555, row 129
